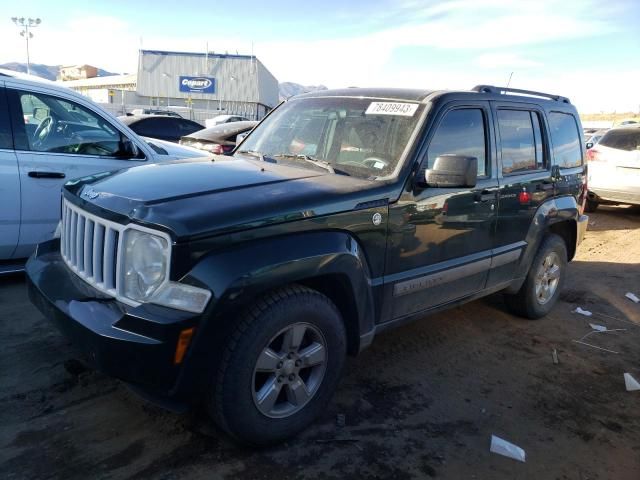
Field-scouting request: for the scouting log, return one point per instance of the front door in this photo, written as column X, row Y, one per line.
column 56, row 140
column 440, row 240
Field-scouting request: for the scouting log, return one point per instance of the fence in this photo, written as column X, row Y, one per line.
column 197, row 114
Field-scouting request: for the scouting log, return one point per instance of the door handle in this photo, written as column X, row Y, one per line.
column 46, row 174
column 484, row 196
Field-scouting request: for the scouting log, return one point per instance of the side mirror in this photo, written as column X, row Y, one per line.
column 589, row 145
column 452, row 171
column 127, row 149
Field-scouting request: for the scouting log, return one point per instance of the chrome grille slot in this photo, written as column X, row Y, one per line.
column 90, row 247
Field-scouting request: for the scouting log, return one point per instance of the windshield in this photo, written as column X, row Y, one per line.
column 362, row 137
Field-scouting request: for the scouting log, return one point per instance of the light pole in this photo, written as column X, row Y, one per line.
column 25, row 24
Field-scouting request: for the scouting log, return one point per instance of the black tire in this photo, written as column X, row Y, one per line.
column 525, row 302
column 231, row 399
column 590, row 206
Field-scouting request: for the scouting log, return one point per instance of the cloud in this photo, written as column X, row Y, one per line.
column 483, row 40
column 504, row 60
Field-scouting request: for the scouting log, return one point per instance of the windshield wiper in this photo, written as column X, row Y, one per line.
column 319, row 163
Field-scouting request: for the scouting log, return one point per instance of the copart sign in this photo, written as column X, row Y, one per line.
column 197, row 84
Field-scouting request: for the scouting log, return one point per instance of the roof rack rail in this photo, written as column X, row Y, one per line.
column 505, row 90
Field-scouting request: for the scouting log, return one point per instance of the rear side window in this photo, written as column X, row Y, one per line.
column 155, row 127
column 521, row 141
column 624, row 139
column 461, row 132
column 565, row 139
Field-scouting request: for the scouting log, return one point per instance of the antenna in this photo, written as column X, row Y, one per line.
column 509, row 81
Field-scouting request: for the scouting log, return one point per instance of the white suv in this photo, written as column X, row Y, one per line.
column 48, row 135
column 614, row 168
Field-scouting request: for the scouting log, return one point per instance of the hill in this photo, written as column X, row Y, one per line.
column 45, row 71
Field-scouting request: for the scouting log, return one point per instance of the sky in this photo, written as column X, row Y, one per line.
column 586, row 50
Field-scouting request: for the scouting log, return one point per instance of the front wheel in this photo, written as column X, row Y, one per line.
column 545, row 279
column 280, row 367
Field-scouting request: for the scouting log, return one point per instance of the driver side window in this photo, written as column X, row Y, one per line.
column 58, row 125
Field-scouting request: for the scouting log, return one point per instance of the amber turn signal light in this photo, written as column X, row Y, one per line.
column 183, row 343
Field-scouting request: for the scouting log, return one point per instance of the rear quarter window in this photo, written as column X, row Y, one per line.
column 565, row 139
column 625, row 139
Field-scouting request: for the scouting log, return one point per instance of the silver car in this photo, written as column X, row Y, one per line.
column 614, row 168
column 48, row 135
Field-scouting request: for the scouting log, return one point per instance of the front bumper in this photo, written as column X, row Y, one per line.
column 134, row 344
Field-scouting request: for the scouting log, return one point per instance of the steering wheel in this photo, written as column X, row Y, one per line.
column 372, row 162
column 43, row 132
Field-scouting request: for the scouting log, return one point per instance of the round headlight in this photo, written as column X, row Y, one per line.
column 145, row 264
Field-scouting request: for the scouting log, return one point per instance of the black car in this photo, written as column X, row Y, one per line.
column 154, row 111
column 163, row 127
column 242, row 283
column 220, row 139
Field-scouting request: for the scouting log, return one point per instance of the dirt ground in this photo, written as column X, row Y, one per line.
column 422, row 402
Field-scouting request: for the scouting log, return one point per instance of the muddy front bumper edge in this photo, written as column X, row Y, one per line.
column 134, row 344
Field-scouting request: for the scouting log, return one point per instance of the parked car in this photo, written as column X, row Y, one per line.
column 614, row 168
column 154, row 111
column 220, row 139
column 212, row 122
column 48, row 135
column 163, row 127
column 595, row 137
column 243, row 283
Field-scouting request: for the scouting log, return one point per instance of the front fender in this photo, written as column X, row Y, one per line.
column 241, row 273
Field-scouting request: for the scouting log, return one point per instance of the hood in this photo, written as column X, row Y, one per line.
column 200, row 198
column 174, row 150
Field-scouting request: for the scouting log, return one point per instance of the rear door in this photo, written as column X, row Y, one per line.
column 9, row 184
column 56, row 140
column 568, row 161
column 526, row 181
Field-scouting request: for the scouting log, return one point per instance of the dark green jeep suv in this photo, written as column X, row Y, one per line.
column 242, row 283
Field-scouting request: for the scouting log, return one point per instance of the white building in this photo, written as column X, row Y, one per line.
column 211, row 82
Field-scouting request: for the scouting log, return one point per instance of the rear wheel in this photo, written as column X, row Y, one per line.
column 545, row 279
column 280, row 366
column 590, row 206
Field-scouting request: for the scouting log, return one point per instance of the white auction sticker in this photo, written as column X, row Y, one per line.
column 392, row 108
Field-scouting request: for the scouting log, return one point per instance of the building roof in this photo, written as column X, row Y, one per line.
column 102, row 82
column 197, row 54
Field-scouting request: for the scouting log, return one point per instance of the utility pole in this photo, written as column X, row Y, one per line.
column 25, row 24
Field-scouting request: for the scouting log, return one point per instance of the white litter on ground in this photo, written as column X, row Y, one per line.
column 502, row 447
column 632, row 297
column 599, row 328
column 631, row 383
column 586, row 313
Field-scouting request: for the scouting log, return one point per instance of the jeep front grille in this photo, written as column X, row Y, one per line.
column 90, row 246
